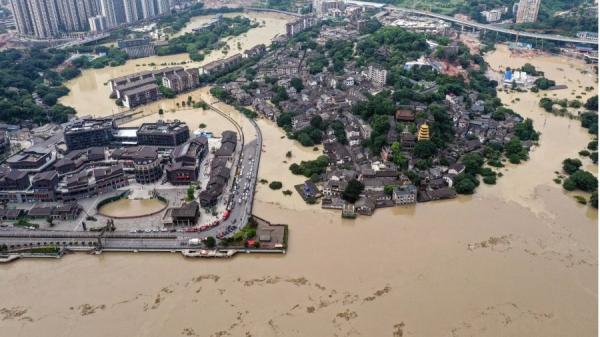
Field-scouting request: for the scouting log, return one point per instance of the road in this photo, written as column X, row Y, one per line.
column 481, row 26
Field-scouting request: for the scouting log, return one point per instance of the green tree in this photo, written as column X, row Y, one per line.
column 191, row 191
column 353, row 190
column 397, row 157
column 389, row 189
column 592, row 103
column 465, row 184
column 473, row 163
column 424, row 149
column 569, row 184
column 571, row 166
column 296, row 83
column 546, row 103
column 210, row 242
column 584, row 181
column 275, row 185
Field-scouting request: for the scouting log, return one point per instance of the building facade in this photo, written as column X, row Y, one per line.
column 86, row 133
column 163, row 133
column 527, row 11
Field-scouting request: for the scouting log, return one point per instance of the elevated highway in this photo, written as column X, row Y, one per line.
column 481, row 26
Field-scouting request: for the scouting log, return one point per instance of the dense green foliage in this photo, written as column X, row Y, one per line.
column 589, row 120
column 25, row 74
column 194, row 43
column 543, row 83
column 571, row 166
column 592, row 103
column 352, row 191
column 275, row 185
column 176, row 21
column 310, row 167
column 582, row 180
column 391, row 46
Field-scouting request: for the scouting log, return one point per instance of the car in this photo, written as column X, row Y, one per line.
column 147, row 231
column 133, row 230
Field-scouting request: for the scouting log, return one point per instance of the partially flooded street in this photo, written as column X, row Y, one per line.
column 518, row 258
column 90, row 92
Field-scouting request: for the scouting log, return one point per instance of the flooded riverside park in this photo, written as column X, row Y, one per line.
column 518, row 258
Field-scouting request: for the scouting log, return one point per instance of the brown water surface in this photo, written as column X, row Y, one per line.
column 516, row 259
column 131, row 208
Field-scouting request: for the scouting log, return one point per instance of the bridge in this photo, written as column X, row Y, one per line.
column 260, row 9
column 85, row 40
column 480, row 26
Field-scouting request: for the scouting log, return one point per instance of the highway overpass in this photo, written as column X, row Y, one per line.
column 480, row 26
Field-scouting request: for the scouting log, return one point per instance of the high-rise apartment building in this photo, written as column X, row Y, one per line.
column 44, row 16
column 22, row 17
column 148, row 9
column 49, row 18
column 97, row 23
column 527, row 11
column 163, row 7
column 132, row 10
column 114, row 11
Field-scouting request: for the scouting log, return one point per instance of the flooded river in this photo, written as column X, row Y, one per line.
column 516, row 259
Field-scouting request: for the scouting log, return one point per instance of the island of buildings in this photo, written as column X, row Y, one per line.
column 308, row 101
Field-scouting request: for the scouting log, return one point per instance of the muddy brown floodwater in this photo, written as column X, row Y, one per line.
column 131, row 208
column 515, row 259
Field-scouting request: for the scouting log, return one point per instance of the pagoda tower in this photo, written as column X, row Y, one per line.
column 423, row 132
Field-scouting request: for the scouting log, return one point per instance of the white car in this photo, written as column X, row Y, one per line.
column 133, row 230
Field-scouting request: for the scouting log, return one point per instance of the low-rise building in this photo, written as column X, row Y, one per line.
column 179, row 173
column 186, row 215
column 143, row 160
column 141, row 95
column 182, row 80
column 91, row 182
column 377, row 76
column 135, row 48
column 300, row 25
column 86, row 133
column 163, row 134
column 44, row 185
column 220, row 66
column 405, row 195
column 33, row 159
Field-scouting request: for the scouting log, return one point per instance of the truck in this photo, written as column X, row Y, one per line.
column 194, row 242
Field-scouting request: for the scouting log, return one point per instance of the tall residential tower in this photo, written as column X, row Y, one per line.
column 527, row 11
